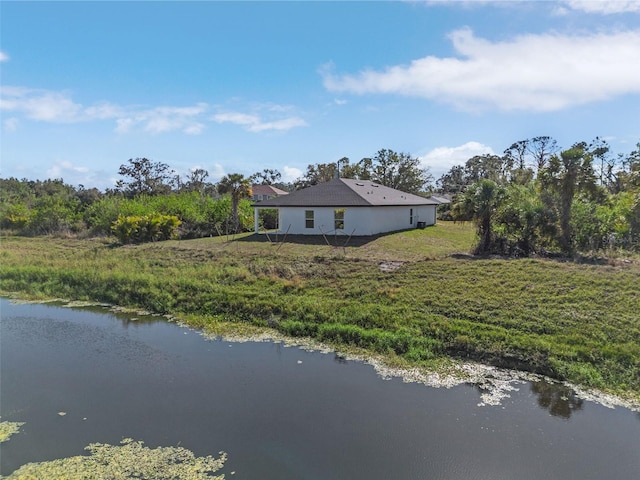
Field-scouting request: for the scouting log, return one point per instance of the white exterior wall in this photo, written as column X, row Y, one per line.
column 427, row 214
column 390, row 219
column 359, row 220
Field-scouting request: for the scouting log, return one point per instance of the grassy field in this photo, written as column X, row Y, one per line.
column 415, row 297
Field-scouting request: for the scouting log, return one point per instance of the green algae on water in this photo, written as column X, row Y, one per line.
column 130, row 459
column 9, row 428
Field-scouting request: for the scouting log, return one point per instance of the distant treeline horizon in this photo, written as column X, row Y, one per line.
column 533, row 199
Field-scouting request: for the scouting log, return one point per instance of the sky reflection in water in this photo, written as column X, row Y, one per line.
column 282, row 413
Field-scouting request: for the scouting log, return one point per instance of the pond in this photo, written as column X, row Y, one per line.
column 76, row 377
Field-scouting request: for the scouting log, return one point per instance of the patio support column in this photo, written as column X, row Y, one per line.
column 256, row 227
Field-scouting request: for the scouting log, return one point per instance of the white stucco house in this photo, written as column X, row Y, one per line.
column 345, row 206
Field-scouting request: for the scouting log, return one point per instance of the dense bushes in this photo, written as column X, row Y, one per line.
column 611, row 224
column 200, row 215
column 577, row 200
column 521, row 220
column 145, row 228
column 51, row 207
column 39, row 208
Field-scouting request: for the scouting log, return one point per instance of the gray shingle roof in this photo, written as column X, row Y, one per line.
column 441, row 198
column 346, row 192
column 267, row 190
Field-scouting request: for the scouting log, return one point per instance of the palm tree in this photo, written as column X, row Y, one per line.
column 563, row 177
column 479, row 203
column 238, row 187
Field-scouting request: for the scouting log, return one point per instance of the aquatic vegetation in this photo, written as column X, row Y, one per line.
column 130, row 459
column 9, row 428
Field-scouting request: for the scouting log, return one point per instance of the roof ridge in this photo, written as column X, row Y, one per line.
column 348, row 192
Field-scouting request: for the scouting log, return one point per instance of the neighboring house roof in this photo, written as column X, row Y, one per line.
column 346, row 192
column 268, row 190
column 444, row 198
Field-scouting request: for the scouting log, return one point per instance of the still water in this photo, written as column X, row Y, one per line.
column 279, row 412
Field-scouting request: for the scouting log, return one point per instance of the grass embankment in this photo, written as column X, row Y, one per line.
column 573, row 321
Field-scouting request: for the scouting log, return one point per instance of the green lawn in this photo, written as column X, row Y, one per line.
column 415, row 296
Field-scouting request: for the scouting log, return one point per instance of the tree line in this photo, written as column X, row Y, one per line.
column 151, row 202
column 148, row 202
column 535, row 198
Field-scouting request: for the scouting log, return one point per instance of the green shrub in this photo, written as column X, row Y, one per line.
column 199, row 215
column 145, row 228
column 54, row 215
column 298, row 329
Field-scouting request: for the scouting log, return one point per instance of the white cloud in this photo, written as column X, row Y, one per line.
column 282, row 125
column 124, row 125
column 50, row 106
column 561, row 7
column 560, row 11
column 290, row 174
column 104, row 111
column 237, row 118
column 546, row 72
column 254, row 123
column 605, row 7
column 441, row 159
column 11, row 124
column 165, row 119
column 194, row 129
column 40, row 105
column 71, row 174
column 3, row 57
column 216, row 173
column 59, row 107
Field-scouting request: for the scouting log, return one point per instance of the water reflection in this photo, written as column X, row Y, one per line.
column 560, row 400
column 339, row 358
column 280, row 412
column 135, row 321
column 127, row 318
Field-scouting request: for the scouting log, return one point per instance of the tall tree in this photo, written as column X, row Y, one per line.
column 238, row 187
column 563, row 176
column 317, row 173
column 142, row 176
column 324, row 172
column 515, row 163
column 454, row 181
column 517, row 154
column 541, row 149
column 396, row 170
column 523, row 221
column 196, row 181
column 628, row 177
column 364, row 169
column 479, row 167
column 599, row 150
column 400, row 171
column 480, row 203
column 267, row 176
column 490, row 167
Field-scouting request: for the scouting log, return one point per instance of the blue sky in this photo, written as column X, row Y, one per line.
column 242, row 86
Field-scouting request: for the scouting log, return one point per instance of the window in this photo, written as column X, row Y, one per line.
column 411, row 216
column 308, row 218
column 338, row 219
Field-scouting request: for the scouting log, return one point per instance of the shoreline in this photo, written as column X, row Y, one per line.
column 495, row 382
